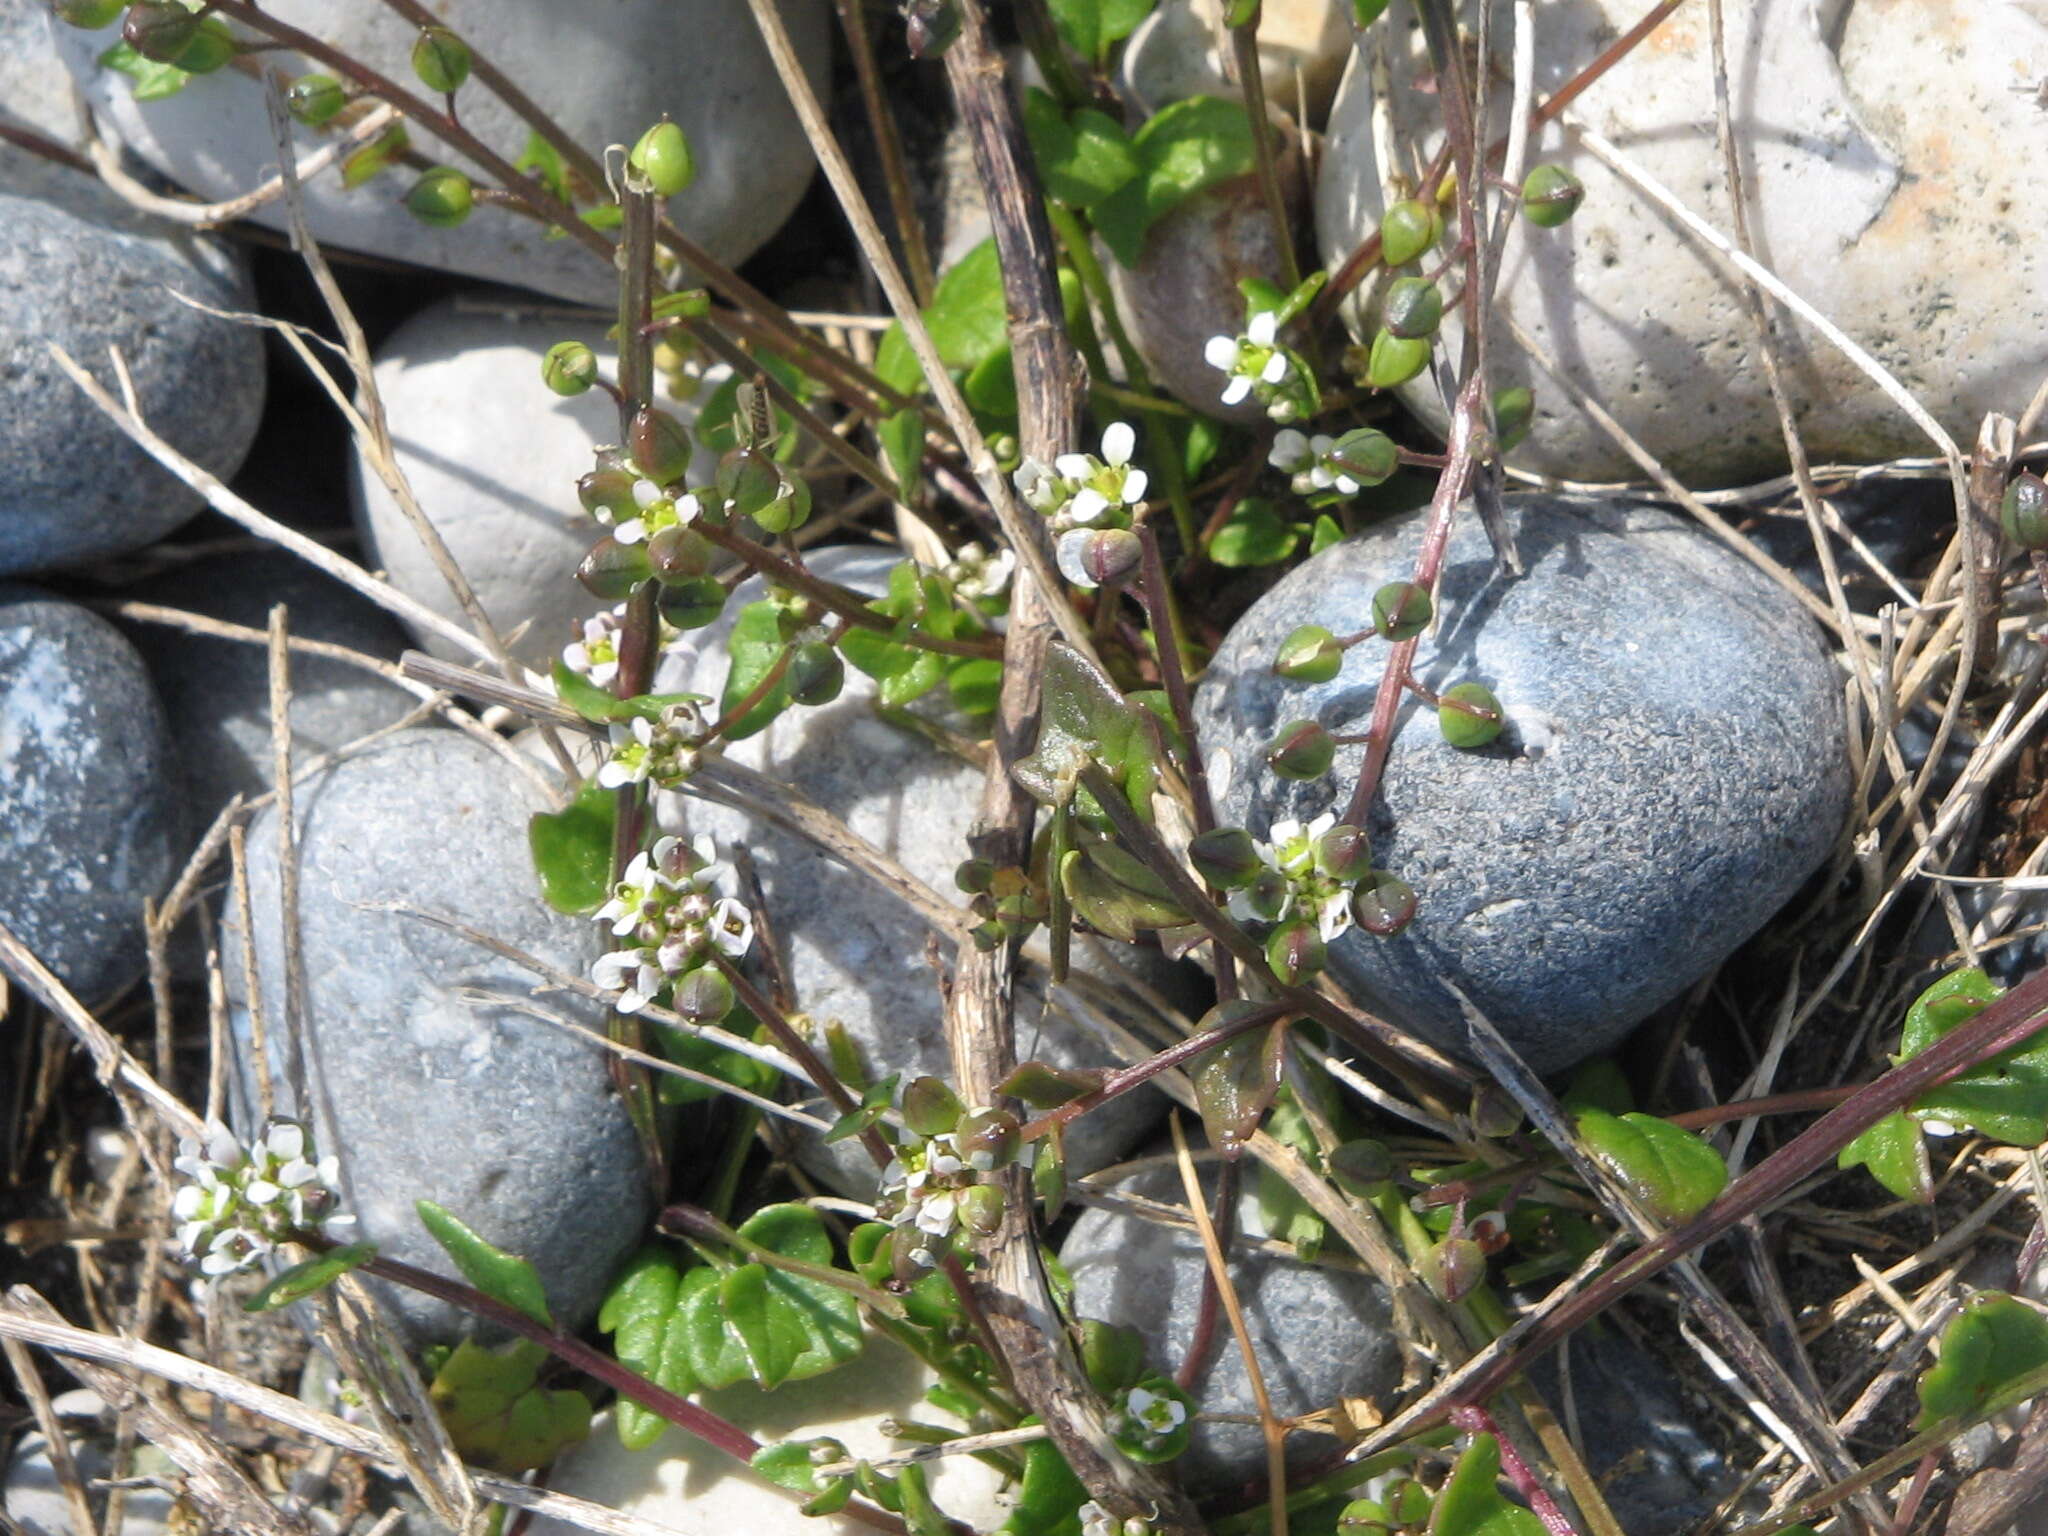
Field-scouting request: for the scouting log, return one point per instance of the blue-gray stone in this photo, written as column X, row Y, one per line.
column 1674, row 766
column 424, row 1087
column 1321, row 1333
column 88, row 810
column 79, row 269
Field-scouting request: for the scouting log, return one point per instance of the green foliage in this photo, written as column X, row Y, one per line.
column 303, row 1280
column 762, row 1323
column 1895, row 1152
column 361, row 165
column 1254, row 534
column 917, row 602
column 1048, row 1497
column 640, row 1311
column 1599, row 1084
column 1085, row 719
column 601, row 708
column 1083, row 158
column 713, row 1059
column 152, row 81
column 502, row 1276
column 1672, row 1173
column 1092, row 27
column 1993, row 1342
column 1470, row 1502
column 755, row 644
column 541, row 160
column 1183, row 150
column 572, row 850
column 1323, row 533
column 793, row 1464
column 496, row 1412
column 1235, row 1082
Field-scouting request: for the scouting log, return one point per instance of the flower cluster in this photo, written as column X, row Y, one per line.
column 1308, row 460
column 922, row 1188
column 243, row 1202
column 1088, row 500
column 1256, row 366
column 981, row 577
column 1295, row 882
column 674, row 908
column 663, row 751
column 1097, row 1521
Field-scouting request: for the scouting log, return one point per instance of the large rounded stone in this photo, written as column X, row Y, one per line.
column 852, row 953
column 422, row 1086
column 1887, row 157
column 88, row 810
column 1320, row 1333
column 1674, row 766
column 493, row 456
column 81, row 270
column 603, row 70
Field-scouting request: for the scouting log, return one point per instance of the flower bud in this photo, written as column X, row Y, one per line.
column 1415, row 308
column 159, row 30
column 1301, row 749
column 440, row 59
column 987, row 1138
column 1226, row 857
column 980, row 1208
column 612, row 570
column 1470, row 716
column 442, row 198
column 1407, row 229
column 703, row 996
column 1310, row 655
column 1364, row 455
column 1359, row 1165
column 663, row 157
column 931, row 1107
column 90, row 15
column 975, row 875
column 1296, row 952
column 660, row 445
column 2023, row 514
column 1268, row 894
column 692, row 602
column 1395, row 360
column 1453, row 1269
column 678, row 553
column 569, row 368
column 1344, row 853
column 1401, row 610
column 315, row 99
column 1550, row 195
column 815, row 675
column 1514, row 411
column 1383, row 904
column 1096, row 557
column 608, row 493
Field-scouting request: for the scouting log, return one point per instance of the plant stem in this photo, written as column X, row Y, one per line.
column 1251, row 80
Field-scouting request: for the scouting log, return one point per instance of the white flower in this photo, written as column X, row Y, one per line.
column 1252, row 361
column 668, row 902
column 632, row 755
column 242, row 1203
column 1081, row 490
column 1290, row 452
column 1263, row 329
column 731, row 928
column 632, row 974
column 977, row 575
column 1071, row 554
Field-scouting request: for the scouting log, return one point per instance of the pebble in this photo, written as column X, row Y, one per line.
column 1673, row 769
column 493, row 455
column 851, row 954
column 34, row 1498
column 423, row 1090
column 79, row 269
column 89, row 815
column 1180, row 51
column 603, row 70
column 1320, row 1333
column 1888, row 198
column 683, row 1485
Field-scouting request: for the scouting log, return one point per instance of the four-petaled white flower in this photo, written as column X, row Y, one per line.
column 632, row 974
column 242, row 1203
column 921, row 1188
column 1081, row 490
column 672, row 904
column 1249, row 360
column 1308, row 892
column 658, row 510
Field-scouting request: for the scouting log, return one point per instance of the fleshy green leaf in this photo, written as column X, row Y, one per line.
column 1235, row 1082
column 771, row 1338
column 1599, row 1084
column 1083, row 718
column 1092, row 27
column 1895, row 1152
column 640, row 1311
column 152, row 81
column 1184, row 149
column 1470, row 1502
column 975, row 685
column 792, row 1464
column 1254, row 534
column 967, row 316
column 499, row 1275
column 2005, row 1098
column 1083, row 158
column 540, row 160
column 755, row 645
column 303, row 1280
column 761, row 1323
column 1994, row 1340
column 601, row 708
column 1323, row 533
column 497, row 1415
column 1048, row 1497
column 1672, row 1173
column 572, row 850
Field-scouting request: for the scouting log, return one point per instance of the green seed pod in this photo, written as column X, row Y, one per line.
column 692, row 602
column 660, row 445
column 789, row 511
column 159, row 30
column 1364, row 455
column 607, row 492
column 1407, row 229
column 905, row 1244
column 1268, row 894
column 1395, row 360
column 748, row 480
column 1358, row 1165
column 315, row 99
column 1344, row 853
column 703, row 996
column 612, row 570
column 1401, row 610
column 89, row 15
column 440, row 59
column 1301, row 749
column 663, row 157
column 815, row 675
column 1453, row 1269
column 441, row 198
column 1363, row 1517
column 1112, row 1355
column 1226, row 857
column 1296, row 952
column 975, row 876
column 1310, row 655
column 987, row 1138
column 1383, row 904
column 2023, row 514
column 210, row 49
column 569, row 368
column 1105, row 556
column 931, row 1107
column 1414, row 308
column 980, row 1208
column 1514, row 412
column 1550, row 195
column 1461, row 727
column 1494, row 1112
column 679, row 553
